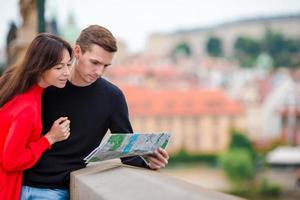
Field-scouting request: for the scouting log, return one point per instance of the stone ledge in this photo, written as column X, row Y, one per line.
column 111, row 180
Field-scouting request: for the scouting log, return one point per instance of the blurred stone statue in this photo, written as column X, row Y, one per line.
column 27, row 8
column 26, row 32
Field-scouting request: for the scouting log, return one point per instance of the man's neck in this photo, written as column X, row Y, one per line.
column 76, row 80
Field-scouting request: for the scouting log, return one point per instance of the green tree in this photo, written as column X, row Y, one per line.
column 273, row 43
column 284, row 51
column 238, row 166
column 247, row 46
column 238, row 163
column 240, row 141
column 246, row 50
column 293, row 46
column 214, row 47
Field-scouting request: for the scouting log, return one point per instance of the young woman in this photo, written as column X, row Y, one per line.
column 46, row 63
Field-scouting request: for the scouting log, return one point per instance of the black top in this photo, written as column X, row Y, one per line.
column 92, row 110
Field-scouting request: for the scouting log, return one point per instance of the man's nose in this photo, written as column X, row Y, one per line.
column 100, row 70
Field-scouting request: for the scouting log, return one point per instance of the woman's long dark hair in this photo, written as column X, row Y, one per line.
column 44, row 52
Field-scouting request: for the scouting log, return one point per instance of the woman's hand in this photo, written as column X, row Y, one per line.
column 59, row 131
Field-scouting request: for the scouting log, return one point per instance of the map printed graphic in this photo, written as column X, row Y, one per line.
column 123, row 145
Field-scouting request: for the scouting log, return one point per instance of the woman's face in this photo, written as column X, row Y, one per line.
column 58, row 75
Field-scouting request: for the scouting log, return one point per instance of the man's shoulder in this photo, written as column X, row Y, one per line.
column 110, row 87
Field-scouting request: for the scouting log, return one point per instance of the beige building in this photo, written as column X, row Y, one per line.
column 162, row 45
column 198, row 120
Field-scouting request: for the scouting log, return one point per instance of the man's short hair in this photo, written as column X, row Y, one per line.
column 97, row 35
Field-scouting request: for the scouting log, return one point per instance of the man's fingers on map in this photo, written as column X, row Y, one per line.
column 159, row 156
column 155, row 163
column 153, row 166
column 163, row 152
column 159, row 161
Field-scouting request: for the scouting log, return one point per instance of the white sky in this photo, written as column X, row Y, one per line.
column 134, row 20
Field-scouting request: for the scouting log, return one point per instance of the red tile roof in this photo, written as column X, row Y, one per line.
column 189, row 102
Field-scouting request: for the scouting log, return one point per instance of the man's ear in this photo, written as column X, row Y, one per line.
column 77, row 51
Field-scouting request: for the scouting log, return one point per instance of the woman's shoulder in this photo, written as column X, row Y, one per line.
column 20, row 105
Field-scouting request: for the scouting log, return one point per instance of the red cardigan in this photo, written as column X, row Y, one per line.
column 21, row 143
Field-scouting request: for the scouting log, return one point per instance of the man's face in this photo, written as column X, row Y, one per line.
column 91, row 64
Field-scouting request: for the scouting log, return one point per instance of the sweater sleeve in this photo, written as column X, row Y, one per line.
column 19, row 153
column 120, row 118
column 120, row 123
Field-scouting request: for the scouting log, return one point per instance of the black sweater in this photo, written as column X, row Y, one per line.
column 92, row 110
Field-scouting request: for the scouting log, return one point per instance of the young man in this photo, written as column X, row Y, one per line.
column 93, row 105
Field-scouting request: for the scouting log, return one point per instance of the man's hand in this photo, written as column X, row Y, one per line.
column 159, row 159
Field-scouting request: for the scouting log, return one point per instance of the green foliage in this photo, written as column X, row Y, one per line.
column 240, row 141
column 264, row 190
column 184, row 157
column 247, row 46
column 293, row 46
column 246, row 61
column 246, row 50
column 269, row 189
column 284, row 51
column 273, row 43
column 214, row 47
column 182, row 49
column 238, row 161
column 238, row 165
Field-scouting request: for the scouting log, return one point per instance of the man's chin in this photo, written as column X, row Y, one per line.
column 91, row 80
